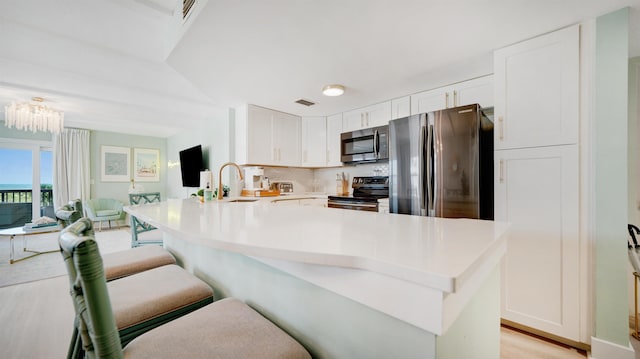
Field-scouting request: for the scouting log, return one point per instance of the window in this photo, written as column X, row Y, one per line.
column 25, row 166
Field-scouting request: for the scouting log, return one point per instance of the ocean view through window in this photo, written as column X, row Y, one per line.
column 25, row 168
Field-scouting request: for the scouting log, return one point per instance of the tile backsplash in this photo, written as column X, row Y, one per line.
column 323, row 180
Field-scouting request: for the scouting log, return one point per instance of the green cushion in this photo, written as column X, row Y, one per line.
column 107, row 212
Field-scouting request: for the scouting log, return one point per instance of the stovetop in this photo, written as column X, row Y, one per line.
column 367, row 189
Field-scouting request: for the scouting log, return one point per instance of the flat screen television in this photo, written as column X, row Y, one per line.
column 191, row 165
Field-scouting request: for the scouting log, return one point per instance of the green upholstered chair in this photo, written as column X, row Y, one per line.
column 104, row 209
column 141, row 232
column 225, row 329
column 139, row 302
column 69, row 213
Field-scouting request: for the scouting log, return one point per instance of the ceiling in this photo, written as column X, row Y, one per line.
column 132, row 66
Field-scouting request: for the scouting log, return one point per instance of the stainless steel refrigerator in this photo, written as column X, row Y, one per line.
column 441, row 164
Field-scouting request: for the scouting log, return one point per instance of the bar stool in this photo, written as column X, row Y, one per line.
column 123, row 263
column 139, row 302
column 225, row 329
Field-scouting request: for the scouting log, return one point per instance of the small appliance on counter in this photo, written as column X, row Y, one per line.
column 256, row 184
column 282, row 186
column 366, row 192
column 253, row 177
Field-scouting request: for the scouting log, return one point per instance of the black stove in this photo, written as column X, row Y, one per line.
column 366, row 192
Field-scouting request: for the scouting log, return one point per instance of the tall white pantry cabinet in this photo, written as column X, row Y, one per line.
column 536, row 116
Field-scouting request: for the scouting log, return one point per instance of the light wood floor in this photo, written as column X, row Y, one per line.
column 37, row 321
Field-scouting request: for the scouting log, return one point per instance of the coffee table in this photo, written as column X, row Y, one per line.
column 19, row 231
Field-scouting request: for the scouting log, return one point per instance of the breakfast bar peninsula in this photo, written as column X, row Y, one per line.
column 347, row 284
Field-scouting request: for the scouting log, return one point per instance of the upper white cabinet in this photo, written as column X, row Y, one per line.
column 334, row 129
column 267, row 137
column 286, row 139
column 400, row 107
column 479, row 90
column 370, row 116
column 314, row 141
column 537, row 91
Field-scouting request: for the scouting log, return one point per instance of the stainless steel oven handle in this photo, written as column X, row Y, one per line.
column 344, row 203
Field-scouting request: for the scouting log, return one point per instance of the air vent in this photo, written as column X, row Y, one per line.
column 186, row 7
column 305, row 102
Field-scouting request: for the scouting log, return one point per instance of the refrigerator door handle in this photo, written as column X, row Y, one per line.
column 430, row 172
column 424, row 173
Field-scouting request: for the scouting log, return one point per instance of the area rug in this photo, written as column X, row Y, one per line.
column 50, row 264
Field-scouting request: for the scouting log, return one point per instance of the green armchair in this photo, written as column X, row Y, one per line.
column 69, row 213
column 104, row 209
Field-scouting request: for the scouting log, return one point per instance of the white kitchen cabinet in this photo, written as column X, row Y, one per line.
column 370, row 116
column 286, row 139
column 314, row 141
column 334, row 129
column 314, row 202
column 537, row 91
column 536, row 191
column 400, row 107
column 479, row 90
column 260, row 148
column 267, row 137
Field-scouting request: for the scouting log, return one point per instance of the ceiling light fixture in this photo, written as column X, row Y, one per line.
column 33, row 117
column 333, row 90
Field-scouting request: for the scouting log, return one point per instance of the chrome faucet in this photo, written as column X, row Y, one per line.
column 220, row 176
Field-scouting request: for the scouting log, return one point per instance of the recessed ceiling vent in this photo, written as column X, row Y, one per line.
column 305, row 102
column 186, row 7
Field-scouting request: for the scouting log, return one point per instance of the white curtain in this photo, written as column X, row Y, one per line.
column 71, row 166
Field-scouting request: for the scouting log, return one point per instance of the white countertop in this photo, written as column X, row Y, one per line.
column 433, row 252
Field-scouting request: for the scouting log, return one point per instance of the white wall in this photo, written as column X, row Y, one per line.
column 216, row 141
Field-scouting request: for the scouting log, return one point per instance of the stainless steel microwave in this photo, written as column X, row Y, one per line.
column 366, row 145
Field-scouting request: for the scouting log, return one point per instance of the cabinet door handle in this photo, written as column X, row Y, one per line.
column 275, row 154
column 305, row 156
column 367, row 116
column 446, row 100
column 455, row 98
column 501, row 171
column 501, row 128
column 361, row 119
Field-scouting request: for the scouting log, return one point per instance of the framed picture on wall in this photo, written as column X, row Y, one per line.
column 116, row 164
column 146, row 165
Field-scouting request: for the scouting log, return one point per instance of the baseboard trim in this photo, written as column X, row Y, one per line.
column 549, row 336
column 602, row 349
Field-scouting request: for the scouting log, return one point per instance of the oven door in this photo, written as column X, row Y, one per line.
column 353, row 204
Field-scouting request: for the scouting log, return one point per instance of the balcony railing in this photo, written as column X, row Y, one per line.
column 15, row 206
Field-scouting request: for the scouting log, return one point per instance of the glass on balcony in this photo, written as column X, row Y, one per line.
column 16, row 204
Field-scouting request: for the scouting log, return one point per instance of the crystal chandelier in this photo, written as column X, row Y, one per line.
column 33, row 117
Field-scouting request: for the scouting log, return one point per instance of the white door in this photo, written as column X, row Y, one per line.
column 400, row 107
column 478, row 91
column 378, row 114
column 334, row 129
column 286, row 139
column 260, row 147
column 536, row 190
column 353, row 120
column 537, row 91
column 314, row 141
column 428, row 101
